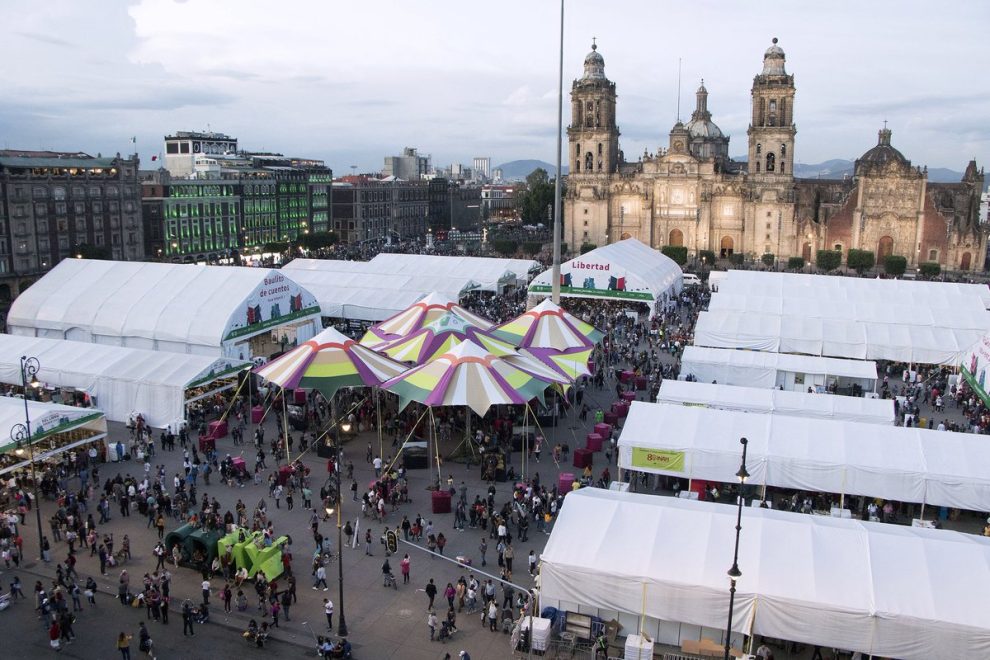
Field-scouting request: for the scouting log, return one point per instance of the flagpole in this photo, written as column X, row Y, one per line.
column 555, row 286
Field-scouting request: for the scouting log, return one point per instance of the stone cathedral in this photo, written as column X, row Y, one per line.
column 690, row 193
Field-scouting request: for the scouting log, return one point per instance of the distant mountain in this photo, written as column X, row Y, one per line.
column 837, row 168
column 518, row 170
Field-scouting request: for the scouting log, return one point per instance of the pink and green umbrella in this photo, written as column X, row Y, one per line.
column 467, row 375
column 328, row 362
column 417, row 316
column 440, row 336
column 553, row 336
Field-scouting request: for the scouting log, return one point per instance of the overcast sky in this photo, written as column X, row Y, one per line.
column 352, row 82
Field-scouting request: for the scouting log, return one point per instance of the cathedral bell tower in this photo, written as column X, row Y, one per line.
column 593, row 137
column 771, row 130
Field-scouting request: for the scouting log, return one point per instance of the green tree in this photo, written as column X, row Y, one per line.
column 317, row 241
column 895, row 265
column 505, row 247
column 795, row 263
column 930, row 269
column 276, row 247
column 737, row 258
column 768, row 259
column 534, row 202
column 87, row 251
column 828, row 260
column 676, row 252
column 587, row 247
column 860, row 260
column 532, row 247
column 707, row 256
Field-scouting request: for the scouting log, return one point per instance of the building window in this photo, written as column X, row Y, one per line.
column 933, row 255
column 771, row 161
column 759, row 149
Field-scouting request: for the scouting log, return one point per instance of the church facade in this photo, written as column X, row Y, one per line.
column 690, row 193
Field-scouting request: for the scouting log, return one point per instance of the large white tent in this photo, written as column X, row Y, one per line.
column 489, row 271
column 781, row 402
column 356, row 290
column 880, row 589
column 203, row 310
column 626, row 270
column 119, row 380
column 758, row 369
column 939, row 468
column 48, row 422
column 920, row 322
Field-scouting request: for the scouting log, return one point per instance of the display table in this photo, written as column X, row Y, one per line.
column 611, row 418
column 540, row 637
column 284, row 473
column 626, row 376
column 257, row 412
column 593, row 442
column 628, row 396
column 620, row 409
column 641, row 382
column 583, row 458
column 217, row 429
column 207, row 443
column 564, row 481
column 239, row 465
column 300, row 397
column 604, row 430
column 638, row 648
column 441, row 501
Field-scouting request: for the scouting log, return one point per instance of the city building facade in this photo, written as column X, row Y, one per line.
column 186, row 151
column 482, row 166
column 366, row 208
column 56, row 205
column 409, row 166
column 690, row 193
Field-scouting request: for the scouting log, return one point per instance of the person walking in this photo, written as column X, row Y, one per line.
column 449, row 594
column 431, row 592
column 431, row 622
column 124, row 645
column 145, row 643
column 328, row 610
column 187, row 619
column 321, row 577
column 492, row 615
column 404, row 565
column 226, row 596
column 483, row 548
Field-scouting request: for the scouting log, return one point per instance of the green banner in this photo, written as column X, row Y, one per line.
column 658, row 459
column 597, row 293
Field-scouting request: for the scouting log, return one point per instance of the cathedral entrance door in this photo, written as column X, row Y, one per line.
column 964, row 262
column 885, row 248
column 806, row 253
column 725, row 248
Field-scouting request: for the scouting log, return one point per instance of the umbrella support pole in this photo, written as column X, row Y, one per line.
column 285, row 426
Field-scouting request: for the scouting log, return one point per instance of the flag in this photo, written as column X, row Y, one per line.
column 134, row 140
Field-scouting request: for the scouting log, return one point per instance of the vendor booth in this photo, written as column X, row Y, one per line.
column 780, row 402
column 626, row 270
column 658, row 565
column 179, row 308
column 797, row 373
column 55, row 429
column 120, row 381
column 904, row 464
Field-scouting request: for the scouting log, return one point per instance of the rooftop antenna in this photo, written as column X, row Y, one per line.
column 678, row 89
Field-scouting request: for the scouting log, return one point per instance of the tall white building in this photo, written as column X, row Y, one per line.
column 482, row 167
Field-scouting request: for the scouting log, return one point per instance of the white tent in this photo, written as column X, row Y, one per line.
column 830, row 456
column 120, row 380
column 204, row 310
column 880, row 589
column 48, row 421
column 489, row 271
column 782, row 402
column 627, row 270
column 759, row 369
column 920, row 322
column 356, row 290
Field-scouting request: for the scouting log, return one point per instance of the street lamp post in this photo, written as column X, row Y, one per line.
column 734, row 572
column 21, row 434
column 345, row 427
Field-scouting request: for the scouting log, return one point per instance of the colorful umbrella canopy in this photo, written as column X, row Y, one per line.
column 467, row 375
column 327, row 362
column 440, row 336
column 417, row 316
column 549, row 326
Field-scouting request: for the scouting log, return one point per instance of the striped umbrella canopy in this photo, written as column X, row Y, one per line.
column 554, row 336
column 467, row 375
column 440, row 336
column 419, row 315
column 327, row 362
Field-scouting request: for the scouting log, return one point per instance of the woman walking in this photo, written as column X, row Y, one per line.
column 124, row 645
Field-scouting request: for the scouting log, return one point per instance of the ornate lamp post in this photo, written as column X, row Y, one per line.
column 21, row 434
column 734, row 572
column 341, row 621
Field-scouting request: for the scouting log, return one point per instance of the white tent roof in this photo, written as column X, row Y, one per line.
column 121, row 380
column 782, row 402
column 171, row 307
column 358, row 290
column 831, row 456
column 489, row 271
column 48, row 419
column 922, row 322
column 648, row 275
column 759, row 369
column 882, row 589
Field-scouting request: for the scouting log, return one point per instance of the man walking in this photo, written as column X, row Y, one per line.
column 328, row 610
column 187, row 619
column 431, row 592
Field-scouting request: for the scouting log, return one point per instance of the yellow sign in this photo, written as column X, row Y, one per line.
column 658, row 459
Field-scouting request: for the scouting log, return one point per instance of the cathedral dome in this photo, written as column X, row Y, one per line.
column 701, row 124
column 883, row 153
column 594, row 64
column 773, row 60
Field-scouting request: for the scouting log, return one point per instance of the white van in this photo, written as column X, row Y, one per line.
column 690, row 279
